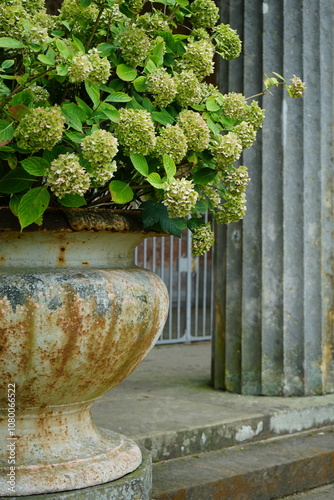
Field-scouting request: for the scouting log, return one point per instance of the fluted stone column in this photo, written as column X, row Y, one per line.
column 275, row 287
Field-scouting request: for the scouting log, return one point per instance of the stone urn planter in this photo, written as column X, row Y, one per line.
column 76, row 317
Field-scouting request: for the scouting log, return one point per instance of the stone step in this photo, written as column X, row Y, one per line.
column 259, row 471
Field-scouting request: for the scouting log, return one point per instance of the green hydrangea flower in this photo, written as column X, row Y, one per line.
column 188, row 89
column 99, row 148
column 232, row 210
column 66, row 176
column 211, row 194
column 153, row 23
column 202, row 239
column 135, row 5
column 296, row 88
column 101, row 69
column 172, row 142
column 246, row 134
column 162, row 86
column 71, row 11
column 226, row 149
column 135, row 131
column 135, row 46
column 180, row 198
column 39, row 93
column 209, row 90
column 42, row 128
column 254, row 115
column 228, row 43
column 235, row 180
column 204, row 13
column 195, row 129
column 234, row 105
column 199, row 34
column 101, row 175
column 80, row 68
column 198, row 58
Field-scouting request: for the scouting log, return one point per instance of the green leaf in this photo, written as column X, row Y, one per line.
column 204, row 175
column 16, row 181
column 74, row 115
column 6, row 132
column 7, row 64
column 75, row 136
column 14, row 203
column 126, row 73
column 79, row 45
column 155, row 180
column 18, row 111
column 211, row 104
column 150, row 66
column 35, row 165
column 63, row 49
column 25, row 97
column 162, row 118
column 32, row 205
column 72, row 200
column 140, row 164
column 169, row 166
column 118, row 97
column 216, row 129
column 194, row 223
column 84, row 106
column 62, row 69
column 10, row 43
column 93, row 92
column 110, row 111
column 120, row 192
column 155, row 216
column 105, row 49
column 201, row 206
column 84, row 3
column 45, row 60
column 140, row 84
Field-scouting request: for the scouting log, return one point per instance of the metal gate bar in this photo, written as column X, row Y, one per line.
column 189, row 281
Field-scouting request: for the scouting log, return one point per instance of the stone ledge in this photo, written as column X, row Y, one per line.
column 134, row 486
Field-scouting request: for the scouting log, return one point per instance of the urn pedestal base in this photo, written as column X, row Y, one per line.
column 59, row 449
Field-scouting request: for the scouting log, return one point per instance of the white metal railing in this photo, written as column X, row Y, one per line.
column 190, row 285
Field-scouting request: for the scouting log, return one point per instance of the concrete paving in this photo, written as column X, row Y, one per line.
column 168, row 406
column 168, row 399
column 323, row 493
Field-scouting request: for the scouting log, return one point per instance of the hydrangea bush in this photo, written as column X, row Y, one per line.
column 108, row 105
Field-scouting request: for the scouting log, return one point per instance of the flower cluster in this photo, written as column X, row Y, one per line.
column 226, row 149
column 99, row 148
column 41, row 128
column 90, row 67
column 296, row 88
column 162, row 86
column 195, row 129
column 66, row 176
column 202, row 239
column 245, row 133
column 109, row 104
column 232, row 210
column 172, row 142
column 234, row 105
column 135, row 45
column 198, row 58
column 180, row 197
column 254, row 115
column 228, row 43
column 188, row 89
column 205, row 13
column 135, row 131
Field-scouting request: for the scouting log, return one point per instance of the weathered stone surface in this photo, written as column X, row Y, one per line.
column 275, row 294
column 262, row 471
column 135, row 486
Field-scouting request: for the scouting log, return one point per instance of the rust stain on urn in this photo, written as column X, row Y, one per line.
column 69, row 332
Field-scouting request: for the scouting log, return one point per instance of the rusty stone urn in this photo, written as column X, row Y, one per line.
column 76, row 317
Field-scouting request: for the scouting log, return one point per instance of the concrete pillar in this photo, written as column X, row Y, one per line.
column 275, row 287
